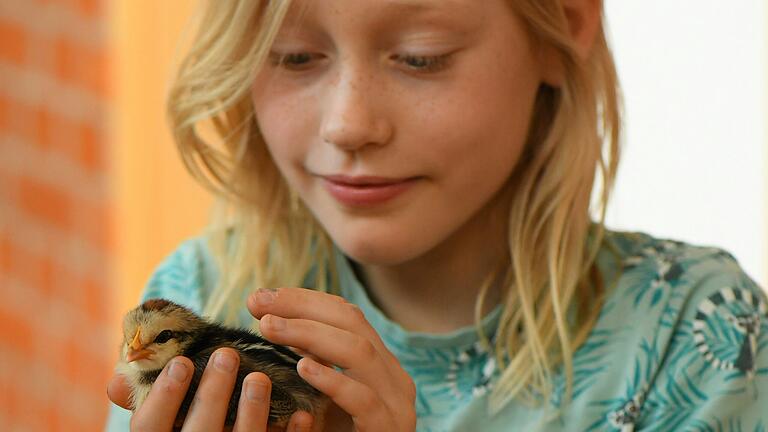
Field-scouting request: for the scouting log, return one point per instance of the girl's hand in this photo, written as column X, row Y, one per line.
column 372, row 388
column 208, row 411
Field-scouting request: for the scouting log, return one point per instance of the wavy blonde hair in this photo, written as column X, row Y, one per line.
column 261, row 235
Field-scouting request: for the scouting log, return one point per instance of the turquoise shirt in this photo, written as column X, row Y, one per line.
column 681, row 344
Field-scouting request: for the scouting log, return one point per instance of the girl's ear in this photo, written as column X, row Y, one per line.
column 584, row 19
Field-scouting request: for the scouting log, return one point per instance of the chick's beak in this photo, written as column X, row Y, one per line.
column 136, row 343
column 136, row 350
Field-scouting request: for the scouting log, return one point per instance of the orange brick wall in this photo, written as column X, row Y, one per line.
column 56, row 242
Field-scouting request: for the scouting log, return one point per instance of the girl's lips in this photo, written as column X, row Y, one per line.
column 365, row 191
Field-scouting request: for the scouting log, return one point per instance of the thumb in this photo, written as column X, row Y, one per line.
column 119, row 392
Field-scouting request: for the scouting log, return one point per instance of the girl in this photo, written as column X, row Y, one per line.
column 423, row 169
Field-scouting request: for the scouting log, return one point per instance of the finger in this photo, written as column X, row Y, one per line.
column 119, row 392
column 313, row 305
column 301, row 421
column 211, row 403
column 329, row 309
column 158, row 412
column 253, row 407
column 304, row 353
column 349, row 351
column 359, row 401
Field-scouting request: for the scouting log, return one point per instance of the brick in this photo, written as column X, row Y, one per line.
column 94, row 75
column 16, row 334
column 21, row 120
column 33, row 410
column 5, row 254
column 51, row 417
column 13, row 42
column 91, row 148
column 5, row 398
column 64, row 282
column 13, row 403
column 36, row 272
column 82, row 65
column 43, row 128
column 22, row 264
column 65, row 60
column 20, row 402
column 69, row 359
column 98, row 78
column 46, row 203
column 65, row 137
column 94, row 222
column 94, row 373
column 8, row 186
column 47, row 279
column 71, row 423
column 94, row 302
column 4, row 123
column 90, row 8
column 76, row 365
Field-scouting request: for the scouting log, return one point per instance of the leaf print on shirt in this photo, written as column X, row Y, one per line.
column 731, row 425
column 624, row 413
column 727, row 327
column 657, row 268
column 700, row 350
column 589, row 363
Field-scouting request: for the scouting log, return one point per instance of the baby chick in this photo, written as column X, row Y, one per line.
column 158, row 330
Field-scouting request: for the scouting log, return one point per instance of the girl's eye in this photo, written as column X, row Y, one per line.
column 423, row 63
column 163, row 337
column 292, row 61
column 302, row 61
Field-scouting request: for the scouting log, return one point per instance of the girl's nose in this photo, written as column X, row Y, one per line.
column 351, row 117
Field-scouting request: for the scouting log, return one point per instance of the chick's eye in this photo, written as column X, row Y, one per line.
column 163, row 337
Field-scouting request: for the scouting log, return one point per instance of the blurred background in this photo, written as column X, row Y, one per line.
column 93, row 196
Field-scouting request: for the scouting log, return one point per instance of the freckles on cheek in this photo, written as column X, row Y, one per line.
column 278, row 111
column 285, row 128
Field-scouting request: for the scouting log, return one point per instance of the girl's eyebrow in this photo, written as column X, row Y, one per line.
column 420, row 6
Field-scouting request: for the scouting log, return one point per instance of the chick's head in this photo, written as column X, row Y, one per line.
column 155, row 332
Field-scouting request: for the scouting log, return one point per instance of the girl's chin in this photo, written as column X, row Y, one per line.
column 386, row 252
column 387, row 239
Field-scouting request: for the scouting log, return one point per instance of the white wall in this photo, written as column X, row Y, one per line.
column 695, row 77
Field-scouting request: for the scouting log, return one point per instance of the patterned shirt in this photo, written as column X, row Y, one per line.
column 681, row 344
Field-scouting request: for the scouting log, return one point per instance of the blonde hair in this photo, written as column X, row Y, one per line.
column 262, row 235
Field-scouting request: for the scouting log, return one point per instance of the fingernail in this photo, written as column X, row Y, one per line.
column 300, row 427
column 256, row 391
column 265, row 296
column 276, row 323
column 177, row 370
column 224, row 362
column 309, row 366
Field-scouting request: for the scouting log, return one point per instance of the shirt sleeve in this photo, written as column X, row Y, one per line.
column 181, row 278
column 713, row 374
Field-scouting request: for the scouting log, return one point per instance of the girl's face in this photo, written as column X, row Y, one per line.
column 432, row 98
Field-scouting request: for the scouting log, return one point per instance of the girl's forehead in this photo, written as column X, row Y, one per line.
column 383, row 8
column 380, row 16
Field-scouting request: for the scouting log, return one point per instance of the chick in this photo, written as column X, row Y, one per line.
column 158, row 330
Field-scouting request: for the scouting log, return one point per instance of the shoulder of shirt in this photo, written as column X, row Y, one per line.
column 672, row 328
column 687, row 270
column 664, row 283
column 184, row 276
